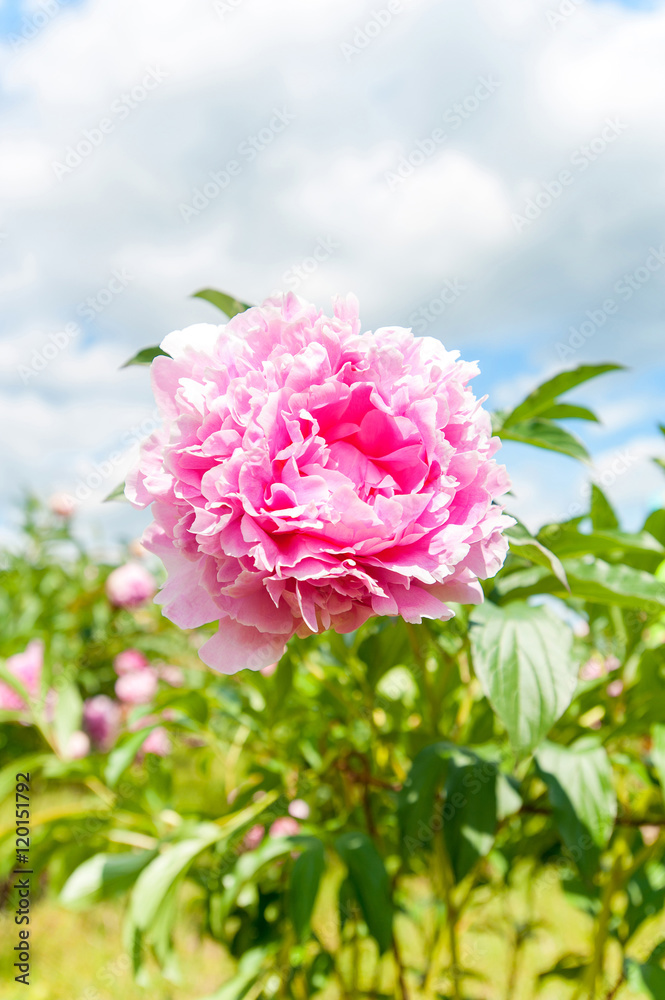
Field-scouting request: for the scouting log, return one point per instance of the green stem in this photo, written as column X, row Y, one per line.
column 600, row 939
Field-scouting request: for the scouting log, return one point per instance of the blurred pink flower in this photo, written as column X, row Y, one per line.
column 101, row 719
column 592, row 670
column 612, row 663
column 299, row 809
column 62, row 504
column 270, row 669
column 171, row 675
column 128, row 661
column 78, row 746
column 308, row 476
column 138, row 687
column 158, row 742
column 26, row 667
column 615, row 688
column 285, row 826
column 253, row 838
column 130, row 585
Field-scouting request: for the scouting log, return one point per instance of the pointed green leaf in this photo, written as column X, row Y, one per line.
column 522, row 658
column 523, row 544
column 370, row 883
column 603, row 583
column 545, row 434
column 117, row 494
column 541, row 398
column 146, row 356
column 415, row 802
column 602, row 513
column 247, row 974
column 580, row 788
column 102, row 876
column 226, row 303
column 305, row 880
column 567, row 411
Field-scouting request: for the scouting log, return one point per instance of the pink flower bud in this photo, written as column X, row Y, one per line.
column 101, row 718
column 130, row 585
column 285, row 826
column 62, row 504
column 138, row 687
column 172, row 675
column 128, row 661
column 615, row 688
column 78, row 746
column 158, row 742
column 299, row 809
column 592, row 670
column 253, row 838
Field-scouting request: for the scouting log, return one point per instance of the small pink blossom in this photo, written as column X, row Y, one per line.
column 137, row 688
column 78, row 746
column 171, row 675
column 101, row 718
column 26, row 667
column 130, row 585
column 592, row 669
column 612, row 663
column 615, row 688
column 299, row 809
column 62, row 504
column 158, row 742
column 285, row 826
column 253, row 838
column 581, row 629
column 128, row 661
column 309, row 476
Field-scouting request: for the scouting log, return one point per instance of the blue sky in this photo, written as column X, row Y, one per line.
column 183, row 90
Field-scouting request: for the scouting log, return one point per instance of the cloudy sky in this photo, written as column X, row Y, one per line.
column 490, row 172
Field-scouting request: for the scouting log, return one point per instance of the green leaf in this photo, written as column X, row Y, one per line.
column 603, row 583
column 647, row 980
column 250, row 864
column 371, row 885
column 123, row 755
column 523, row 544
column 655, row 525
column 415, row 802
column 156, row 880
column 541, row 398
column 102, row 876
column 545, row 434
column 68, row 714
column 522, row 658
column 247, row 973
column 226, row 303
column 146, row 356
column 584, row 803
column 117, row 494
column 658, row 752
column 305, row 880
column 567, row 411
column 602, row 513
column 470, row 813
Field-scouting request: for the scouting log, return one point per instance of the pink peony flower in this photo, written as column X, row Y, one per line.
column 308, row 477
column 137, row 688
column 78, row 746
column 285, row 826
column 130, row 585
column 299, row 809
column 26, row 667
column 171, row 675
column 615, row 688
column 128, row 661
column 101, row 719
